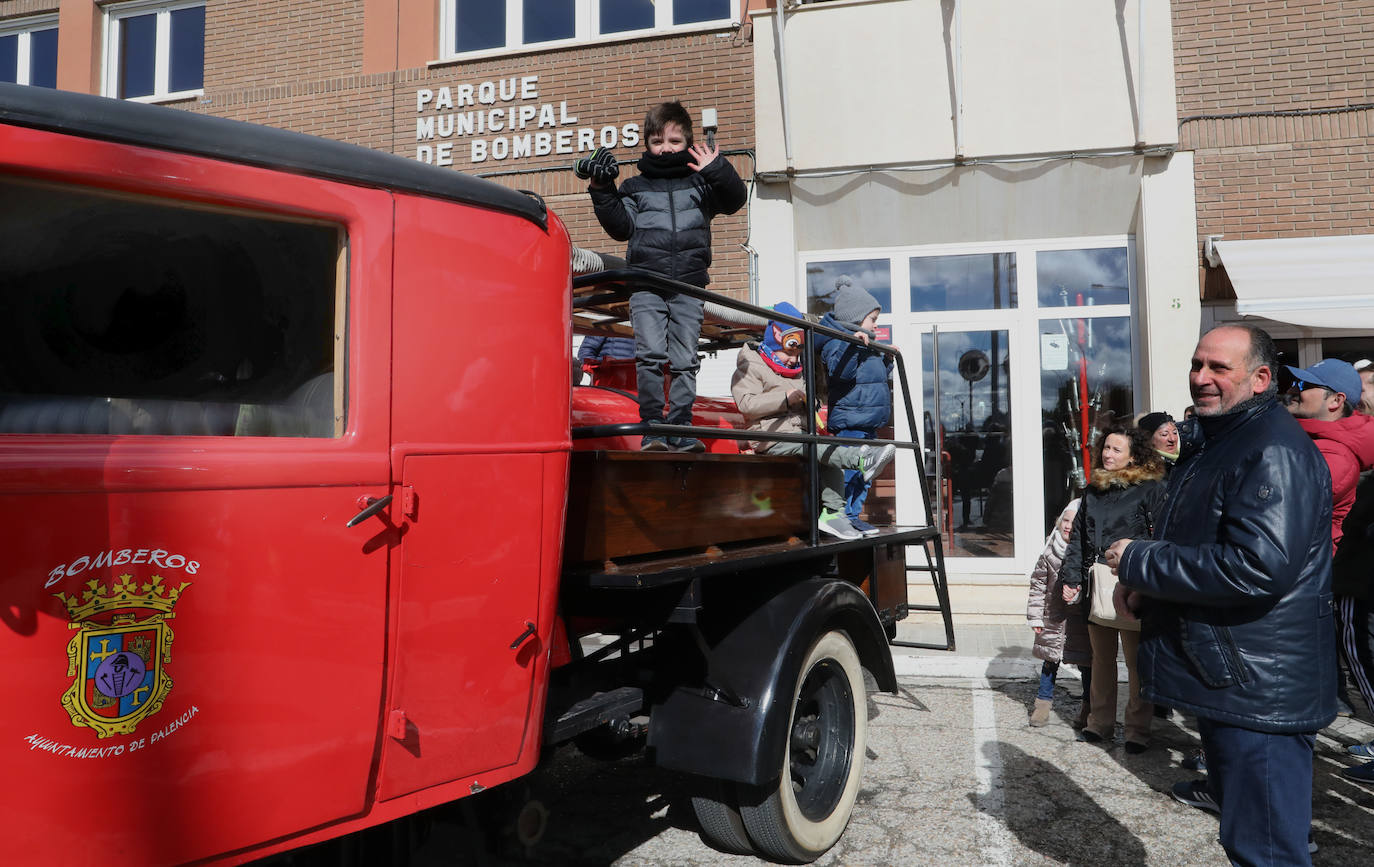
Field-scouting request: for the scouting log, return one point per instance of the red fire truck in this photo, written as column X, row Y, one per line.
column 307, row 529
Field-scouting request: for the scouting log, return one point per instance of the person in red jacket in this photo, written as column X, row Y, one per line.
column 1323, row 398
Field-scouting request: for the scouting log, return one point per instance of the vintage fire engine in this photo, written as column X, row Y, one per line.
column 307, row 529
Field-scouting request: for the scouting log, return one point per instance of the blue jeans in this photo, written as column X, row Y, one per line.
column 1268, row 812
column 666, row 330
column 1048, row 672
column 855, row 488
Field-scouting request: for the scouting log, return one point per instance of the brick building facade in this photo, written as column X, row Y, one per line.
column 355, row 70
column 1276, row 101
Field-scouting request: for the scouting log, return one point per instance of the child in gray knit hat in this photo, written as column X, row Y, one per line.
column 860, row 382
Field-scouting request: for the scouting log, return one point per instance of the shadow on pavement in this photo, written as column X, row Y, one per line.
column 1050, row 814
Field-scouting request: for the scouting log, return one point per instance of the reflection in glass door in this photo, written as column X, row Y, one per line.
column 974, row 438
column 1085, row 387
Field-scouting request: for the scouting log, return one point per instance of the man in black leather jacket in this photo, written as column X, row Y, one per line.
column 1234, row 595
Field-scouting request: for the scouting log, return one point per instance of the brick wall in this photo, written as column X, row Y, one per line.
column 249, row 43
column 25, row 8
column 1274, row 98
column 295, row 64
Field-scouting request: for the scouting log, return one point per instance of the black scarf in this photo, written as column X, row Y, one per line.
column 673, row 165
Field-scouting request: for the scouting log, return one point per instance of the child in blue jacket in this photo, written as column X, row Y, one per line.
column 859, row 382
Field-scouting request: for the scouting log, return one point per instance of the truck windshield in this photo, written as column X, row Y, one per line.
column 133, row 315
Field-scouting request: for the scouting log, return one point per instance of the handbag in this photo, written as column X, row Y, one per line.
column 1101, row 610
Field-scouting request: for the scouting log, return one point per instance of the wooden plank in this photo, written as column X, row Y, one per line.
column 676, row 568
column 628, row 504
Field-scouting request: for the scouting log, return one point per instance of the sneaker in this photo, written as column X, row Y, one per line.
column 872, row 461
column 1311, row 844
column 864, row 527
column 1196, row 762
column 686, row 444
column 1195, row 793
column 837, row 525
column 1361, row 774
column 653, row 443
column 1364, row 751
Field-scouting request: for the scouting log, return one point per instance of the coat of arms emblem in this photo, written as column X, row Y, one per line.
column 119, row 654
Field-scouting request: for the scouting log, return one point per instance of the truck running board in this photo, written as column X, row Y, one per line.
column 595, row 710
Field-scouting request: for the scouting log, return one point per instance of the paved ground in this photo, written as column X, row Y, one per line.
column 954, row 777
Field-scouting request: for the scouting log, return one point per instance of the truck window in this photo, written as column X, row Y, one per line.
column 141, row 316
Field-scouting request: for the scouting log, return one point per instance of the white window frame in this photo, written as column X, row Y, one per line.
column 162, row 61
column 586, row 23
column 1020, row 322
column 24, row 28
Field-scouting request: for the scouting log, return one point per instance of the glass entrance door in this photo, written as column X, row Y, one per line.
column 969, row 422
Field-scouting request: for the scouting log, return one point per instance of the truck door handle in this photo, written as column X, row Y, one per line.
column 520, row 639
column 374, row 505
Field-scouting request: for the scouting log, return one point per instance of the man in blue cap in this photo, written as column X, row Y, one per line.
column 1323, row 399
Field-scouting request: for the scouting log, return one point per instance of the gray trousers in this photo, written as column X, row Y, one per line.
column 833, row 460
column 666, row 330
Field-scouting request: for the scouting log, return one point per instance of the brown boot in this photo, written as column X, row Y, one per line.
column 1041, row 714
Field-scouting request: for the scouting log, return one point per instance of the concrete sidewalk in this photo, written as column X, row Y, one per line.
column 995, row 651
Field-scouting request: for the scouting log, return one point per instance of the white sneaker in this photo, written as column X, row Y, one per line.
column 872, row 461
column 837, row 525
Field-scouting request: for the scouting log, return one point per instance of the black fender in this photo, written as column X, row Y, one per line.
column 736, row 727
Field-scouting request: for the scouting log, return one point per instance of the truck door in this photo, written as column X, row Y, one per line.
column 480, row 441
column 193, row 405
column 469, row 593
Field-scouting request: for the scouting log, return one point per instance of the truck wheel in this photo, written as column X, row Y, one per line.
column 717, row 811
column 800, row 819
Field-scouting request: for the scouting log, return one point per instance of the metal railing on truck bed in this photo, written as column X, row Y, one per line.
column 601, row 307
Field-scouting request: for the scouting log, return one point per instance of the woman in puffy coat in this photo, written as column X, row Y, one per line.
column 1120, row 502
column 1061, row 633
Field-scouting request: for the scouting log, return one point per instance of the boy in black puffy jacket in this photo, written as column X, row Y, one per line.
column 665, row 214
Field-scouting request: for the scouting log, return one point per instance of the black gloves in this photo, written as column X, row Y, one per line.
column 600, row 167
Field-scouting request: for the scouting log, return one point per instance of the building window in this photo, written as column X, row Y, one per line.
column 548, row 20
column 981, row 281
column 468, row 26
column 28, row 51
column 825, row 279
column 1072, row 278
column 154, row 51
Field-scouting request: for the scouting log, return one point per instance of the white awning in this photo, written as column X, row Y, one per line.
column 1315, row 282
